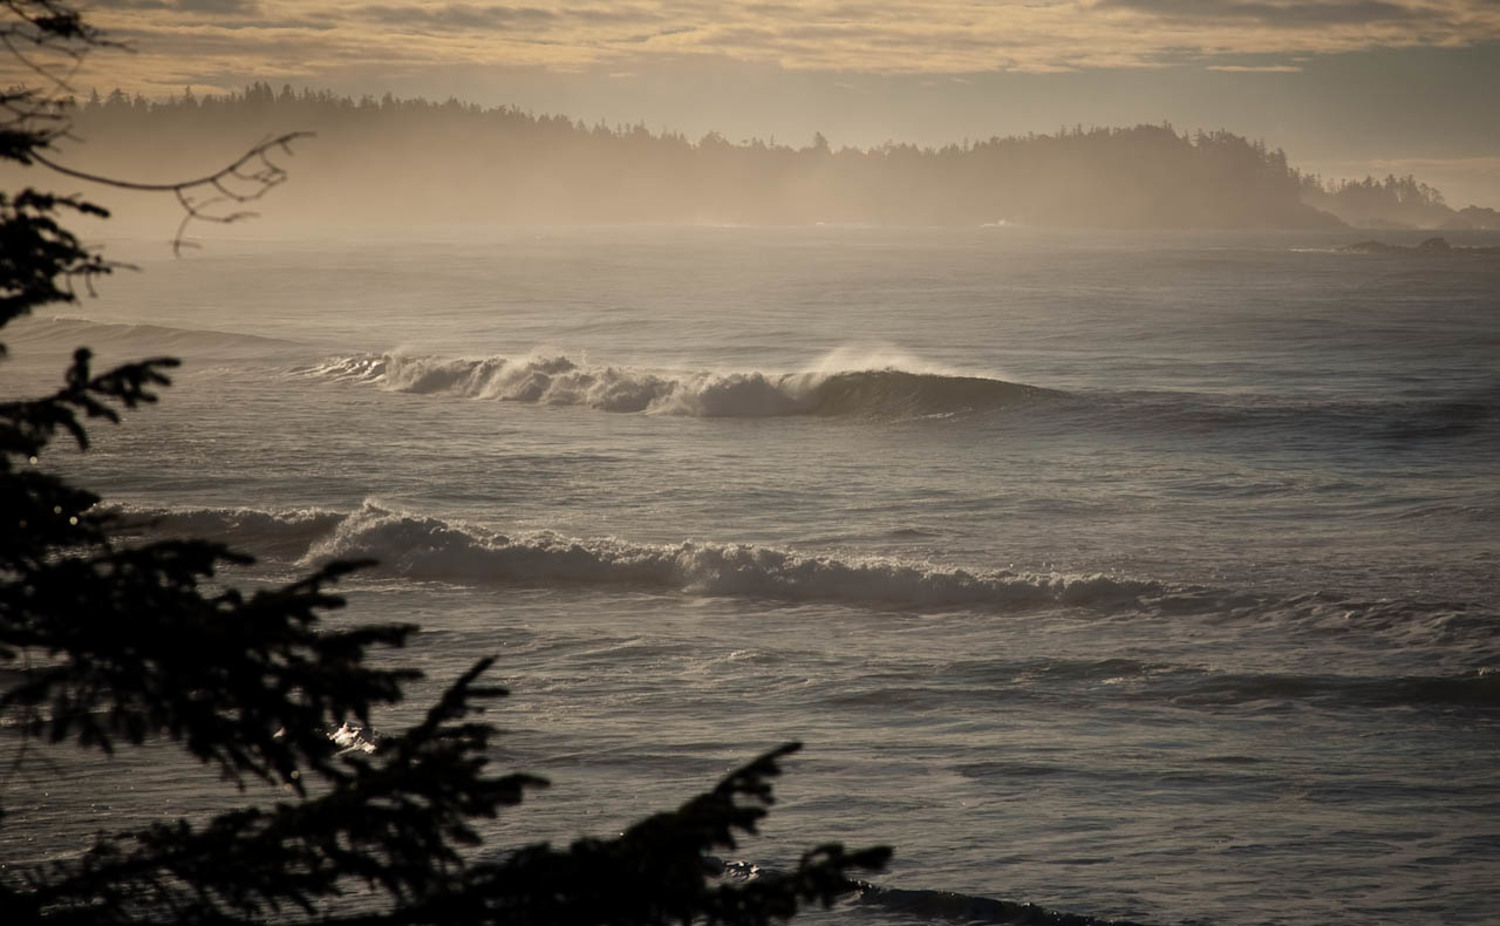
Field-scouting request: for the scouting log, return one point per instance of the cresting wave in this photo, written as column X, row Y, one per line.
column 886, row 392
column 417, row 547
column 422, row 548
column 431, row 549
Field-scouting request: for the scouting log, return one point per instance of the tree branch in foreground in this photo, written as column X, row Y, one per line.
column 246, row 180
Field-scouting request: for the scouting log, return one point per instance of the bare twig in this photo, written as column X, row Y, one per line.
column 200, row 196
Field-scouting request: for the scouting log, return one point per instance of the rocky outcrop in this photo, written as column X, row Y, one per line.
column 1437, row 245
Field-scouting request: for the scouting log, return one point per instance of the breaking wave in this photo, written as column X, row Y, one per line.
column 431, row 549
column 417, row 547
column 886, row 392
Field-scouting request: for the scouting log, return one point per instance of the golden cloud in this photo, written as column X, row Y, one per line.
column 191, row 41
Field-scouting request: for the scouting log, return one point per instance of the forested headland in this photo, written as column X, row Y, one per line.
column 392, row 160
column 1395, row 202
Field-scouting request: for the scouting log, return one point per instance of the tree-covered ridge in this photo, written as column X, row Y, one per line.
column 1395, row 202
column 453, row 161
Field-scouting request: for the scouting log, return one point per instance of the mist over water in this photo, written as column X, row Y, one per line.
column 1143, row 577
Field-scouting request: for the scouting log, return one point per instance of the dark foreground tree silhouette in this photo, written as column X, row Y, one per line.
column 107, row 643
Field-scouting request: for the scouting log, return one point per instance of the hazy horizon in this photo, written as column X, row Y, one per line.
column 1346, row 88
column 1452, row 177
column 393, row 162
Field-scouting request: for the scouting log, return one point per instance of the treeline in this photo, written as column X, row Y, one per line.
column 1395, row 202
column 393, row 159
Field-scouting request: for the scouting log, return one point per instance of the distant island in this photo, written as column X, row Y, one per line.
column 392, row 160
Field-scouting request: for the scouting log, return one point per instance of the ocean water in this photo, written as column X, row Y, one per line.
column 1146, row 577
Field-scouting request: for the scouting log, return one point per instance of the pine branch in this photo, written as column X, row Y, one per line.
column 656, row 872
column 395, row 822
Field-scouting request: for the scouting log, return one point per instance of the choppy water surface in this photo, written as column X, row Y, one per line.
column 1144, row 578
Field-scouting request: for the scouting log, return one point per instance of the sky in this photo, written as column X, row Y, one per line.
column 1345, row 87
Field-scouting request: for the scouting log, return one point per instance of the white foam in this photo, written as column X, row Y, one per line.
column 350, row 738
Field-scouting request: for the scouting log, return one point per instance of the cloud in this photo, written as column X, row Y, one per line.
column 1300, row 14
column 1256, row 68
column 230, row 7
column 456, row 15
column 953, row 37
column 238, row 7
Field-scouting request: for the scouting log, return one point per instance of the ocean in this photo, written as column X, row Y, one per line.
column 1138, row 576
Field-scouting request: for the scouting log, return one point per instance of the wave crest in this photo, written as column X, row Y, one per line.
column 885, row 392
column 427, row 548
column 430, row 548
